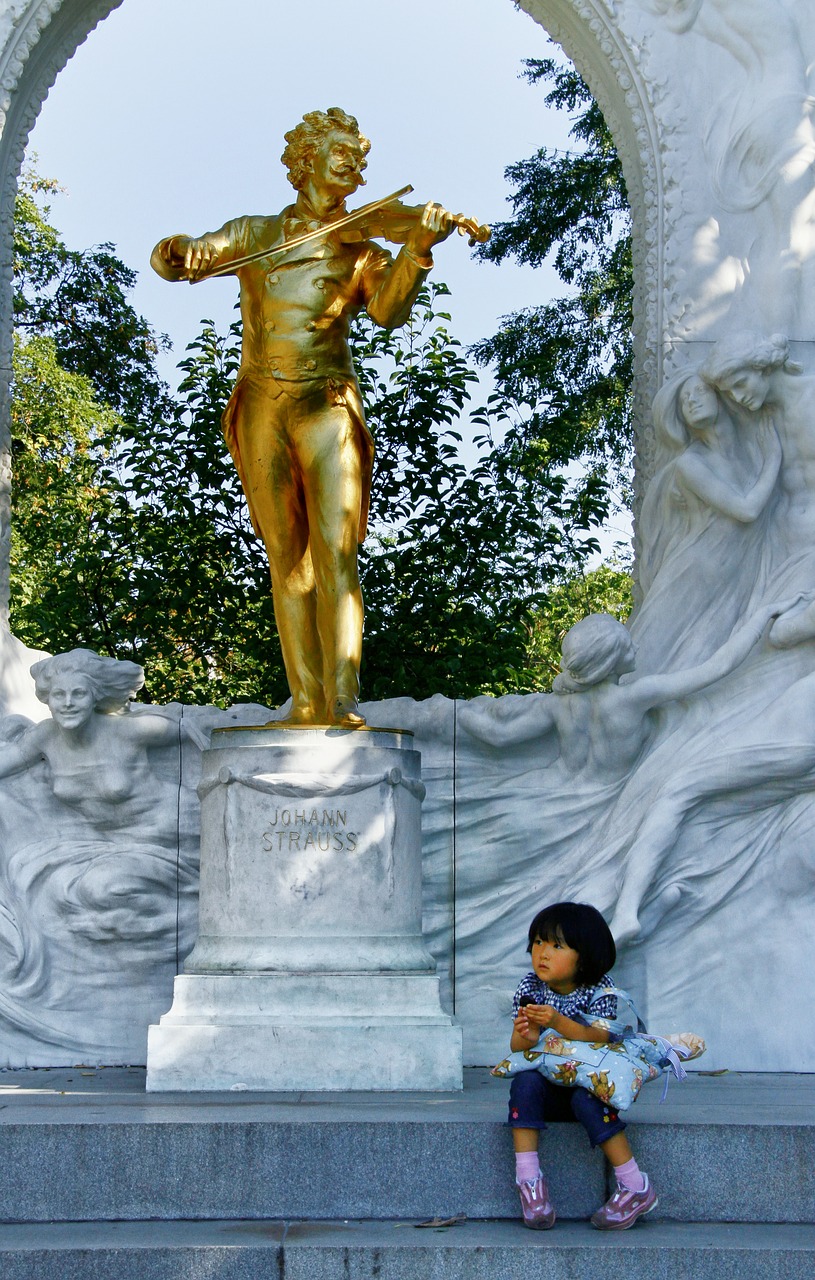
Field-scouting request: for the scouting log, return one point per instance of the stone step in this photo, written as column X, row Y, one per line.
column 390, row 1250
column 93, row 1146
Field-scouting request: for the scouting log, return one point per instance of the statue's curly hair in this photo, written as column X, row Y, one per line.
column 304, row 139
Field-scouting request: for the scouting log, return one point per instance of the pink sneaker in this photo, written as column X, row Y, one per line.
column 536, row 1205
column 623, row 1208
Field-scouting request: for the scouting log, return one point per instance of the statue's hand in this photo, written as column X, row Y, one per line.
column 198, row 257
column 786, row 606
column 435, row 225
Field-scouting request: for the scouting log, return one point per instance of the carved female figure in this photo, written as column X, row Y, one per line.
column 94, row 749
column 699, row 527
column 602, row 726
column 746, row 758
column 98, row 883
column 548, row 817
column 756, row 376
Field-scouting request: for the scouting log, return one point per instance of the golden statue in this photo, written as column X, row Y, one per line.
column 294, row 423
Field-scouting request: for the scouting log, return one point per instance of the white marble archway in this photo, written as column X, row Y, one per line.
column 703, row 818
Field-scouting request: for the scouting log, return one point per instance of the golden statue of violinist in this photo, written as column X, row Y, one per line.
column 295, row 424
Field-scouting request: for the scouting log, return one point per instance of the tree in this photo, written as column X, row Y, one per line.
column 60, row 500
column 79, row 300
column 129, row 533
column 569, row 362
column 460, row 554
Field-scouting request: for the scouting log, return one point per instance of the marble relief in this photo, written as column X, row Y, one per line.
column 98, row 861
column 670, row 778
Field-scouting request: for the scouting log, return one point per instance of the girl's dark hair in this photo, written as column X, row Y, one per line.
column 583, row 929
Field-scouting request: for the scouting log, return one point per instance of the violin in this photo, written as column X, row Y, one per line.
column 391, row 220
column 386, row 219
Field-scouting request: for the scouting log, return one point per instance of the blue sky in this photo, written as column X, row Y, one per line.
column 170, row 118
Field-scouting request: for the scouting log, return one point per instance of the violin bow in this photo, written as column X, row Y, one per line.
column 226, row 268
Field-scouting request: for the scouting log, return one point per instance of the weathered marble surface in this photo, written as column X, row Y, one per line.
column 310, row 970
column 693, row 815
column 739, row 140
column 505, row 828
column 727, row 910
column 98, row 869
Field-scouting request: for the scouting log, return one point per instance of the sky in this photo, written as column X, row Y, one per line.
column 170, row 119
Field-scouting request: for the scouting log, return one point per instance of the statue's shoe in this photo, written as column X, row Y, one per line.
column 305, row 713
column 345, row 713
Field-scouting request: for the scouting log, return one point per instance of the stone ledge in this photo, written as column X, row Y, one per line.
column 91, row 1145
column 241, row 1250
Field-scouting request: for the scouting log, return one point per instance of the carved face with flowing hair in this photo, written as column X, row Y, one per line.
column 112, row 682
column 742, row 364
column 684, row 405
column 304, row 140
column 594, row 649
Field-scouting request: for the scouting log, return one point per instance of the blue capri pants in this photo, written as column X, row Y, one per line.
column 534, row 1100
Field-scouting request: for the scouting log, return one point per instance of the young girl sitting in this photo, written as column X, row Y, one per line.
column 572, row 950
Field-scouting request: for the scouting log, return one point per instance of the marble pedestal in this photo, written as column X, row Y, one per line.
column 310, row 971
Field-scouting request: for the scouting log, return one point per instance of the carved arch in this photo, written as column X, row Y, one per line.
column 40, row 36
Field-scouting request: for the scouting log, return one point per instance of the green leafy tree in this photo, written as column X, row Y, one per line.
column 60, row 430
column 460, row 552
column 569, row 362
column 129, row 534
column 134, row 539
column 80, row 300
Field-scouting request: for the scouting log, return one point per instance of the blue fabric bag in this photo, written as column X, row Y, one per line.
column 613, row 1071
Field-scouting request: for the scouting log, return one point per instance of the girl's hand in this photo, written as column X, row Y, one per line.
column 522, row 1029
column 542, row 1015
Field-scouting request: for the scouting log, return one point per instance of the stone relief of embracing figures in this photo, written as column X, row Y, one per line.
column 709, row 688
